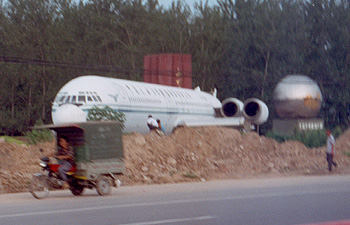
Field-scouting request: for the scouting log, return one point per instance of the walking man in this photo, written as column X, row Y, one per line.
column 330, row 150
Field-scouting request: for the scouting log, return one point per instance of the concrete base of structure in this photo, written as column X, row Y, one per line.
column 288, row 126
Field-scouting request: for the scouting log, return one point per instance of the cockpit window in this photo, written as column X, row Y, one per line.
column 61, row 98
column 81, row 98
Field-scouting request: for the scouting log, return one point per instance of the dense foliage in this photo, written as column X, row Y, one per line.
column 35, row 136
column 242, row 47
column 310, row 138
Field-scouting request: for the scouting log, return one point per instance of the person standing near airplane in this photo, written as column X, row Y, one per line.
column 152, row 123
column 160, row 126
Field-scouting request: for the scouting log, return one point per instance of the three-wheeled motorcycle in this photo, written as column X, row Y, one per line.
column 99, row 159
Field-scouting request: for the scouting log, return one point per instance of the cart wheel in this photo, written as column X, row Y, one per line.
column 39, row 187
column 103, row 185
column 76, row 189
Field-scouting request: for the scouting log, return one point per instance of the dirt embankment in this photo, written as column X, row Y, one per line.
column 189, row 154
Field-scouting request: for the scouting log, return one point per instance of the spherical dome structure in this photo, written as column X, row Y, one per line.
column 297, row 96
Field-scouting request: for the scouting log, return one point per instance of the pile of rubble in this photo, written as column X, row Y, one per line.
column 189, row 154
column 18, row 163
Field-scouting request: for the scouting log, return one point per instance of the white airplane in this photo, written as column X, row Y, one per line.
column 172, row 105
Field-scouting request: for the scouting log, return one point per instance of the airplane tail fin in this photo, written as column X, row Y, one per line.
column 214, row 92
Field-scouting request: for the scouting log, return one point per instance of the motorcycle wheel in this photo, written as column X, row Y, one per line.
column 103, row 185
column 39, row 187
column 77, row 189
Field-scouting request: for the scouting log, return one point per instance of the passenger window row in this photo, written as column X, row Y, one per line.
column 158, row 92
column 144, row 100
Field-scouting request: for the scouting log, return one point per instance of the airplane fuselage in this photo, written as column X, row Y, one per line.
column 136, row 100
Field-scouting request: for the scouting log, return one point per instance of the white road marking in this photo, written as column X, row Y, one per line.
column 179, row 220
column 179, row 201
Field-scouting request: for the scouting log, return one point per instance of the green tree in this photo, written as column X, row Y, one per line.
column 242, row 47
column 104, row 114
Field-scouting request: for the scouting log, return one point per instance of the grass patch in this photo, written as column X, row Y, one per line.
column 191, row 175
column 172, row 172
column 12, row 140
column 347, row 154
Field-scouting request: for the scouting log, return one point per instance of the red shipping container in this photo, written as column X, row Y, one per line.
column 168, row 69
column 187, row 71
column 146, row 69
column 154, row 69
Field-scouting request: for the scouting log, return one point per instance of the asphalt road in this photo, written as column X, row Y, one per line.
column 297, row 200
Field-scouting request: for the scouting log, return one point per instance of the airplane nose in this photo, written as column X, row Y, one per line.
column 68, row 113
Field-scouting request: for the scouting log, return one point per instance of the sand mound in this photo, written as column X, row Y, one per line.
column 189, row 154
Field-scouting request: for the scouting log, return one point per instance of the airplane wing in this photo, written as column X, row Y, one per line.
column 236, row 121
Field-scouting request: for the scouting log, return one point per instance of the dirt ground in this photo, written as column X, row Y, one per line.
column 189, row 154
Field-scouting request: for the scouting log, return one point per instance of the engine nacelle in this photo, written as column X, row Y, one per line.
column 255, row 111
column 231, row 107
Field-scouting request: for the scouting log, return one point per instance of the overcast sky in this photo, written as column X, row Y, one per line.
column 167, row 3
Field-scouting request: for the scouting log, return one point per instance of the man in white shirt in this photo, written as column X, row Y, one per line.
column 330, row 151
column 152, row 123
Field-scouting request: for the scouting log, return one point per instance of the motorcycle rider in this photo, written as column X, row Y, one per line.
column 65, row 158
